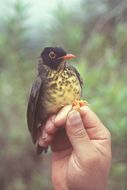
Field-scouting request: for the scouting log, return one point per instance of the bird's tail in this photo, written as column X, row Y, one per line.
column 41, row 149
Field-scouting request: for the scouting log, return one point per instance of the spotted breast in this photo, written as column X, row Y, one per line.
column 63, row 88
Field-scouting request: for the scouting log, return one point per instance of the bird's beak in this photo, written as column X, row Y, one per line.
column 68, row 56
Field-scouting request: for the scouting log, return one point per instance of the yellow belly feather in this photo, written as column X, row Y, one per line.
column 62, row 91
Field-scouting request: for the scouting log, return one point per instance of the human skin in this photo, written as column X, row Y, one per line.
column 81, row 156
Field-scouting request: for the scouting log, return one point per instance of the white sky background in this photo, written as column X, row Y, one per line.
column 39, row 12
column 43, row 8
column 39, row 9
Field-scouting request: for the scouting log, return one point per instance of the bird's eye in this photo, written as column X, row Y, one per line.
column 52, row 55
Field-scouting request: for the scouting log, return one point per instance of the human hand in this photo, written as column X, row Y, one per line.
column 81, row 159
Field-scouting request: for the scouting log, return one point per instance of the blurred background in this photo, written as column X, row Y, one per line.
column 94, row 30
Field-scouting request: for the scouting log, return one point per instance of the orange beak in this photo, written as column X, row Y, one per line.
column 68, row 56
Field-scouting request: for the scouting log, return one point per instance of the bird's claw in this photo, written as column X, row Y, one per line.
column 78, row 103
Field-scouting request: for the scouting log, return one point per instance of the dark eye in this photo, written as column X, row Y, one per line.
column 52, row 55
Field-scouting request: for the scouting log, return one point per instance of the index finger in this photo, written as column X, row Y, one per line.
column 61, row 117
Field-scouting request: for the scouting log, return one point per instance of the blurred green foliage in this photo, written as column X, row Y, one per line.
column 96, row 32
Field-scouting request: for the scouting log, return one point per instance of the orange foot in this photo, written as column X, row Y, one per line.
column 78, row 103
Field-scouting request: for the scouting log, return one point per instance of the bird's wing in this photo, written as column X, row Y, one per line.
column 33, row 119
column 77, row 74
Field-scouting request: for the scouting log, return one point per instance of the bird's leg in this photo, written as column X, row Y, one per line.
column 78, row 103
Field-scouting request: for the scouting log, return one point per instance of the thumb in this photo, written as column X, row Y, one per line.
column 76, row 133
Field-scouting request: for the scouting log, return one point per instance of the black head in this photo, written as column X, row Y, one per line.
column 54, row 56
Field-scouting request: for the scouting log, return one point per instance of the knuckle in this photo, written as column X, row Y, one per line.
column 79, row 133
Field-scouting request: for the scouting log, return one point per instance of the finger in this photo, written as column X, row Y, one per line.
column 42, row 143
column 94, row 127
column 57, row 121
column 60, row 119
column 77, row 134
column 48, row 139
column 50, row 126
column 47, row 132
column 45, row 138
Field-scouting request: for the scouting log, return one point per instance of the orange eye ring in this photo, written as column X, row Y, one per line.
column 52, row 55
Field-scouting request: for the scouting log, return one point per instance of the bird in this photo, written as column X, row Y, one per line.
column 57, row 84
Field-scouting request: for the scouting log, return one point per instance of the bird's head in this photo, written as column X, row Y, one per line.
column 55, row 56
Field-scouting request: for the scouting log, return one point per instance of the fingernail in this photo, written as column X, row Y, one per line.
column 44, row 134
column 42, row 143
column 74, row 117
